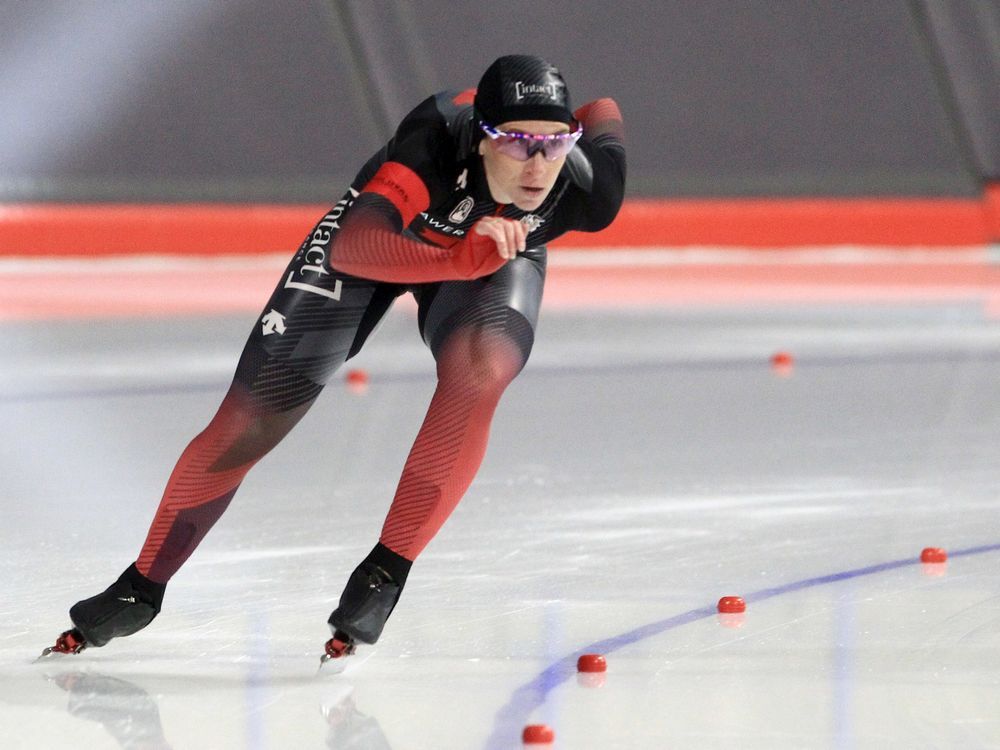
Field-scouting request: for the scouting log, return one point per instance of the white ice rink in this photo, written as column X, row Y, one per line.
column 648, row 461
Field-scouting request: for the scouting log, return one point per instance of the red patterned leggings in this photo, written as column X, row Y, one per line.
column 480, row 333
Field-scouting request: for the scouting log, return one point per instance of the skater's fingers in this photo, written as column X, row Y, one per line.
column 515, row 237
column 510, row 236
column 497, row 230
column 521, row 236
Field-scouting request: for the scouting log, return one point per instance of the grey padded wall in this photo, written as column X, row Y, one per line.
column 727, row 97
column 178, row 100
column 239, row 100
column 965, row 35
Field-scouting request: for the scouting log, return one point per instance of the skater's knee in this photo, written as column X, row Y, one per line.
column 481, row 361
column 244, row 430
column 485, row 356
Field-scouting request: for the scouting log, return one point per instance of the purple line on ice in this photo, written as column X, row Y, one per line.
column 721, row 363
column 511, row 718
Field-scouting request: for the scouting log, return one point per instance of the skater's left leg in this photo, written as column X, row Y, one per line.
column 305, row 332
column 481, row 333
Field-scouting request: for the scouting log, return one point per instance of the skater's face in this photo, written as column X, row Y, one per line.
column 524, row 182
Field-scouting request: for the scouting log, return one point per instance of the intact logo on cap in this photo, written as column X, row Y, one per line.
column 551, row 91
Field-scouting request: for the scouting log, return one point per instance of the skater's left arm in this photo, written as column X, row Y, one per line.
column 371, row 242
column 596, row 169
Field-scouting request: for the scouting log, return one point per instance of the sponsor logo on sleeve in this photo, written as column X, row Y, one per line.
column 461, row 212
column 314, row 253
column 532, row 222
column 441, row 226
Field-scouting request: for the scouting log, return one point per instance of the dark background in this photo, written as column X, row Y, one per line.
column 145, row 100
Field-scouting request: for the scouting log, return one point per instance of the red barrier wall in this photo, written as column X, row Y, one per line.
column 991, row 201
column 223, row 229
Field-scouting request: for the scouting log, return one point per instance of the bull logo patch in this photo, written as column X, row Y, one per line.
column 461, row 212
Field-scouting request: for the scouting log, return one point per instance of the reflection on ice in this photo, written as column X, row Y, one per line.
column 349, row 729
column 124, row 709
column 131, row 715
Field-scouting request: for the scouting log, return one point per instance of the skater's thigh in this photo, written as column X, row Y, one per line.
column 506, row 302
column 315, row 320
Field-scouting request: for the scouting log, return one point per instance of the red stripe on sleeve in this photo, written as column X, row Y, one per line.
column 402, row 187
column 465, row 97
column 601, row 116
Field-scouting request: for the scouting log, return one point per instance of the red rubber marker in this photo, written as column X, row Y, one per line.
column 782, row 363
column 933, row 555
column 591, row 663
column 357, row 381
column 357, row 377
column 538, row 734
column 732, row 605
column 782, row 359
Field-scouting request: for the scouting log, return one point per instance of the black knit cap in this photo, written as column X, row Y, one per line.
column 522, row 87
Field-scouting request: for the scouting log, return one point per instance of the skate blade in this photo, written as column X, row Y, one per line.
column 53, row 654
column 338, row 667
column 335, row 665
column 69, row 643
column 47, row 655
column 340, row 662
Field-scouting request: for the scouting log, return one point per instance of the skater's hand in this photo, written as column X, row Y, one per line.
column 509, row 235
column 491, row 243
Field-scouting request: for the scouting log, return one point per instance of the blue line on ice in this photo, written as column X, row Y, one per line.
column 181, row 387
column 511, row 718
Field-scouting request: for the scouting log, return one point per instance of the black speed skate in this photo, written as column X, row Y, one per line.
column 368, row 600
column 125, row 607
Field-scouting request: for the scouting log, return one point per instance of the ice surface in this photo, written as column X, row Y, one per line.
column 646, row 462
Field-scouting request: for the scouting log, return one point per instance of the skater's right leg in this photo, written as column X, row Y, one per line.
column 368, row 599
column 212, row 467
column 481, row 334
column 311, row 325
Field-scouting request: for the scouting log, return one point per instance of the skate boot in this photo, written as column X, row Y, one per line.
column 368, row 599
column 125, row 607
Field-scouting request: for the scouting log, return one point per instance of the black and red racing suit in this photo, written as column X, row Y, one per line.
column 404, row 225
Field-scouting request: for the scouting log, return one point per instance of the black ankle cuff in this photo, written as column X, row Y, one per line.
column 392, row 563
column 148, row 589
